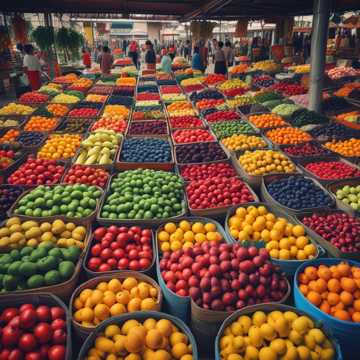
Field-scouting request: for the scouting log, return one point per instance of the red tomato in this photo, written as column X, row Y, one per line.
column 57, row 312
column 10, row 336
column 43, row 313
column 57, row 352
column 58, row 324
column 59, row 337
column 28, row 318
column 27, row 342
column 43, row 332
column 8, row 314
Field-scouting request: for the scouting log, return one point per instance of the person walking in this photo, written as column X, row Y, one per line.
column 220, row 60
column 229, row 53
column 150, row 57
column 32, row 67
column 133, row 53
column 86, row 58
column 106, row 60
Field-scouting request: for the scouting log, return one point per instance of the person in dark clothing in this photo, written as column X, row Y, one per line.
column 150, row 56
column 219, row 58
column 187, row 50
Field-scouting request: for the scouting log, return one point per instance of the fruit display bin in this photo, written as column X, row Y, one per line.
column 331, row 249
column 268, row 179
column 206, row 323
column 93, row 274
column 83, row 332
column 87, row 124
column 166, row 166
column 176, row 305
column 193, row 142
column 336, row 185
column 218, row 212
column 202, row 126
column 42, row 299
column 21, row 119
column 140, row 222
column 254, row 181
column 88, row 104
column 8, row 187
column 62, row 290
column 12, row 167
column 140, row 316
column 59, row 121
column 302, row 163
column 288, row 266
column 236, row 153
column 346, row 332
column 274, row 307
column 82, row 221
column 163, row 121
column 33, row 148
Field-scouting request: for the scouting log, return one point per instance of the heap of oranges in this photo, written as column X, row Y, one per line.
column 10, row 135
column 333, row 289
column 348, row 148
column 288, row 135
column 58, row 109
column 116, row 112
column 263, row 121
column 114, row 297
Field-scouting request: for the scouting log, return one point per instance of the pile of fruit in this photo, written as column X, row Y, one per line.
column 338, row 228
column 60, row 147
column 134, row 194
column 58, row 109
column 305, row 117
column 194, row 87
column 68, row 200
column 299, row 193
column 288, row 135
column 9, row 136
column 148, row 128
column 347, row 148
column 213, row 79
column 243, row 142
column 8, row 195
column 34, row 332
column 36, row 172
column 261, row 162
column 170, row 89
column 15, row 234
column 264, row 121
column 234, row 278
column 149, row 339
column 31, row 138
column 105, row 90
column 349, row 195
column 334, row 131
column 263, row 81
column 305, row 150
column 225, row 129
column 180, row 108
column 333, row 289
column 110, row 124
column 341, row 71
column 218, row 116
column 332, row 170
column 16, row 109
column 41, row 123
column 65, row 99
column 96, row 98
column 205, row 171
column 266, row 65
column 112, row 298
column 120, row 248
column 99, row 148
column 272, row 335
column 191, row 135
column 145, row 150
column 173, row 97
column 240, row 100
column 289, row 89
column 6, row 123
column 285, row 109
column 79, row 174
column 117, row 112
column 7, row 157
column 183, row 122
column 199, row 152
column 33, row 97
column 232, row 84
column 283, row 239
column 217, row 192
column 173, row 237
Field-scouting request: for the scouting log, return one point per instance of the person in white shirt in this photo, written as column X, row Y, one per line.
column 32, row 67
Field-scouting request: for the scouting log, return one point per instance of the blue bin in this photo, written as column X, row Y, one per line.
column 346, row 332
column 268, row 308
column 140, row 316
column 179, row 305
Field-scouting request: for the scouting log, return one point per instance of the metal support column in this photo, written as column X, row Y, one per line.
column 320, row 25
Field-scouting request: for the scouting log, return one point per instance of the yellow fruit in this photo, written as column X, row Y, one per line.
column 112, row 330
column 239, row 343
column 255, row 336
column 123, row 297
column 200, row 237
column 175, row 245
column 298, row 230
column 189, row 357
column 251, row 353
column 310, row 342
column 184, row 225
column 267, row 353
column 210, row 227
column 179, row 349
column 134, row 305
column 129, row 324
column 165, row 246
column 134, row 293
column 290, row 316
column 259, row 318
column 310, row 250
column 284, row 254
column 148, row 304
column 109, row 298
column 129, row 283
column 198, row 227
column 104, row 344
column 132, row 357
column 178, row 337
column 165, row 327
column 134, row 342
column 301, row 325
column 161, row 355
column 245, row 322
column 327, row 354
column 96, row 297
column 303, row 352
column 114, row 285
column 85, row 294
column 282, row 326
column 212, row 236
column 163, row 236
column 102, row 311
column 170, row 228
column 154, row 339
column 278, row 346
column 117, row 309
column 267, row 331
column 318, row 335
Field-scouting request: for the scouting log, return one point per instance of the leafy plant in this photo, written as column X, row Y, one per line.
column 43, row 37
column 69, row 42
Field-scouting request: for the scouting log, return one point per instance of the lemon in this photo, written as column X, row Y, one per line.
column 104, row 344
column 117, row 309
column 210, row 227
column 164, row 326
column 179, row 350
column 170, row 228
column 149, row 324
column 184, row 225
column 102, row 311
column 165, row 246
column 114, row 285
column 129, row 283
column 198, row 227
column 148, row 304
column 163, row 236
column 112, row 330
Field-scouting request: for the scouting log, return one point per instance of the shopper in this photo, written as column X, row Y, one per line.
column 150, row 57
column 166, row 63
column 97, row 54
column 32, row 67
column 219, row 58
column 106, row 60
column 229, row 53
column 187, row 50
column 172, row 51
column 133, row 53
column 86, row 58
column 197, row 63
column 204, row 54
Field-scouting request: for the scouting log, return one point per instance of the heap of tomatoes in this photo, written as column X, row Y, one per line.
column 80, row 174
column 33, row 333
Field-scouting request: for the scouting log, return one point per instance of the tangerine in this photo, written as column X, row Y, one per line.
column 314, row 298
column 342, row 315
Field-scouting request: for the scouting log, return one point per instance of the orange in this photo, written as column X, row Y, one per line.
column 314, row 298
column 348, row 284
column 311, row 272
column 346, row 298
column 333, row 298
column 304, row 289
column 344, row 269
column 324, row 273
column 356, row 316
column 342, row 315
column 321, row 285
column 325, row 307
column 356, row 305
column 303, row 279
column 324, row 295
column 312, row 285
column 334, row 285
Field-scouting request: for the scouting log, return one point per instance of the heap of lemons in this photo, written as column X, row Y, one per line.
column 15, row 233
column 16, row 109
column 150, row 340
column 113, row 298
column 275, row 335
column 283, row 239
column 185, row 234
